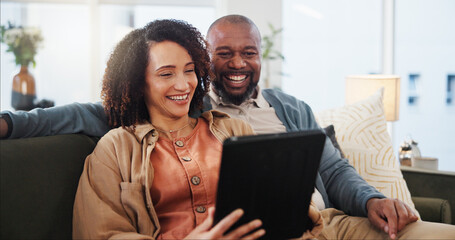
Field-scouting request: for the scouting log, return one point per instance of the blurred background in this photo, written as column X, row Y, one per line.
column 322, row 41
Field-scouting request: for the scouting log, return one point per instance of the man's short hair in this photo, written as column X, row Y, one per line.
column 234, row 19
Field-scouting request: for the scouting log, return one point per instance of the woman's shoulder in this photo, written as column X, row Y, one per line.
column 117, row 133
column 118, row 143
column 121, row 137
column 232, row 126
column 218, row 117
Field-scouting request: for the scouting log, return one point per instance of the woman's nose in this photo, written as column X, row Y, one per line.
column 181, row 82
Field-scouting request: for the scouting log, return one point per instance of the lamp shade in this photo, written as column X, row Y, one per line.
column 359, row 87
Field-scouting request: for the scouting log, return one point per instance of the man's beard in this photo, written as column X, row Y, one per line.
column 231, row 98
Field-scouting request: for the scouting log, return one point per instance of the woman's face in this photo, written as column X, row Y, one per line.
column 170, row 80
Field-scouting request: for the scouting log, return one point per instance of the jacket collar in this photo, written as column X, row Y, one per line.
column 147, row 129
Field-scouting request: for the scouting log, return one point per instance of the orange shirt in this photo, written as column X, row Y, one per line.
column 185, row 181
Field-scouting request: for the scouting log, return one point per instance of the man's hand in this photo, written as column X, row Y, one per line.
column 390, row 215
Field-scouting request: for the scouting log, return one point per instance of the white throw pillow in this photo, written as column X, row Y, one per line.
column 361, row 131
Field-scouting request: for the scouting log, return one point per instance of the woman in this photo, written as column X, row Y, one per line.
column 155, row 175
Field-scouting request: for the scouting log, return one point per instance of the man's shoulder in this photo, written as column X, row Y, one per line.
column 276, row 95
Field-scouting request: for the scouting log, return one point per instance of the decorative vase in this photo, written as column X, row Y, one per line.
column 23, row 93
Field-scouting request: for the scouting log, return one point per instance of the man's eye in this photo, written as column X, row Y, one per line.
column 250, row 54
column 223, row 54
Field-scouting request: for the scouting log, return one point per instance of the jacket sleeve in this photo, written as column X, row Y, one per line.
column 345, row 188
column 103, row 200
column 88, row 118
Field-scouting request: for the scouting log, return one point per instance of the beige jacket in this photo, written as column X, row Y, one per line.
column 112, row 200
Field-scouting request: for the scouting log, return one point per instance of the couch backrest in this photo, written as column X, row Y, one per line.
column 431, row 183
column 38, row 182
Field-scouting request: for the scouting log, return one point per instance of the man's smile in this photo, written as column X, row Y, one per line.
column 237, row 77
column 236, row 80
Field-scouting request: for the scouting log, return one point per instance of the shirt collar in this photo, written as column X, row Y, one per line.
column 259, row 101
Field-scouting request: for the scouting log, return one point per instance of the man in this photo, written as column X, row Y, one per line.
column 234, row 43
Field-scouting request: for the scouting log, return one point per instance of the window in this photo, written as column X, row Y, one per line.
column 424, row 47
column 450, row 89
column 62, row 71
column 78, row 38
column 413, row 95
column 323, row 42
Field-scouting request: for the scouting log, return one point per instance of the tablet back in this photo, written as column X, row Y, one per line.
column 271, row 177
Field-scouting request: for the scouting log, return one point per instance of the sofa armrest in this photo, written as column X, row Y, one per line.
column 431, row 184
column 433, row 209
column 38, row 181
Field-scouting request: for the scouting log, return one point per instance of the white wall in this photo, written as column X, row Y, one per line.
column 324, row 41
column 425, row 44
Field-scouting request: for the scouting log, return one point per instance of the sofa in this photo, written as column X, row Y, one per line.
column 39, row 178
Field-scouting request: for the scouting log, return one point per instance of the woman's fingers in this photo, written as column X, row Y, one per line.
column 227, row 222
column 207, row 223
column 257, row 234
column 206, row 231
column 242, row 231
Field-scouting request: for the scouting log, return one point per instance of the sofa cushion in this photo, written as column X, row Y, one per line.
column 38, row 181
column 330, row 132
column 361, row 131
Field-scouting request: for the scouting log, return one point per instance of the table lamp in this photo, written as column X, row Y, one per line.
column 359, row 87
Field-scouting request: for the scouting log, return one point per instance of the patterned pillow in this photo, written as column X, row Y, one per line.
column 361, row 131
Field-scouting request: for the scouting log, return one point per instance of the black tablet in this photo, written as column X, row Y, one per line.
column 272, row 178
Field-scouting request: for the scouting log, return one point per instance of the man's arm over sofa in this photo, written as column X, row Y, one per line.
column 86, row 118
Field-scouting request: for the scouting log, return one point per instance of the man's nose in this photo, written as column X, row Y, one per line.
column 237, row 62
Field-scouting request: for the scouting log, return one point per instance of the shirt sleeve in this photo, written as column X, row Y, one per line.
column 87, row 118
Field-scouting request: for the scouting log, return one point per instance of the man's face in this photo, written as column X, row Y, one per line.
column 236, row 60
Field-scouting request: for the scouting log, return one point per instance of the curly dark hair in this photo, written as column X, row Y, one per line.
column 124, row 78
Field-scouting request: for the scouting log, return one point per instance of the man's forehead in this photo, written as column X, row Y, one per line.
column 234, row 34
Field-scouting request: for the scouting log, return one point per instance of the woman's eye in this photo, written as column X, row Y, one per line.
column 189, row 70
column 165, row 74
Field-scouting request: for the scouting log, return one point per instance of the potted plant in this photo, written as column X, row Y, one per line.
column 23, row 42
column 269, row 53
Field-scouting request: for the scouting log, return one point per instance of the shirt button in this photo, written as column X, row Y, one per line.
column 154, row 133
column 179, row 143
column 186, row 159
column 195, row 180
column 200, row 209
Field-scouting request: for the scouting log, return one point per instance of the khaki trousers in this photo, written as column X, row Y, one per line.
column 338, row 225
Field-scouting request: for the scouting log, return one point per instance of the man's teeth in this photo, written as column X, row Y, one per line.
column 236, row 77
column 182, row 97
